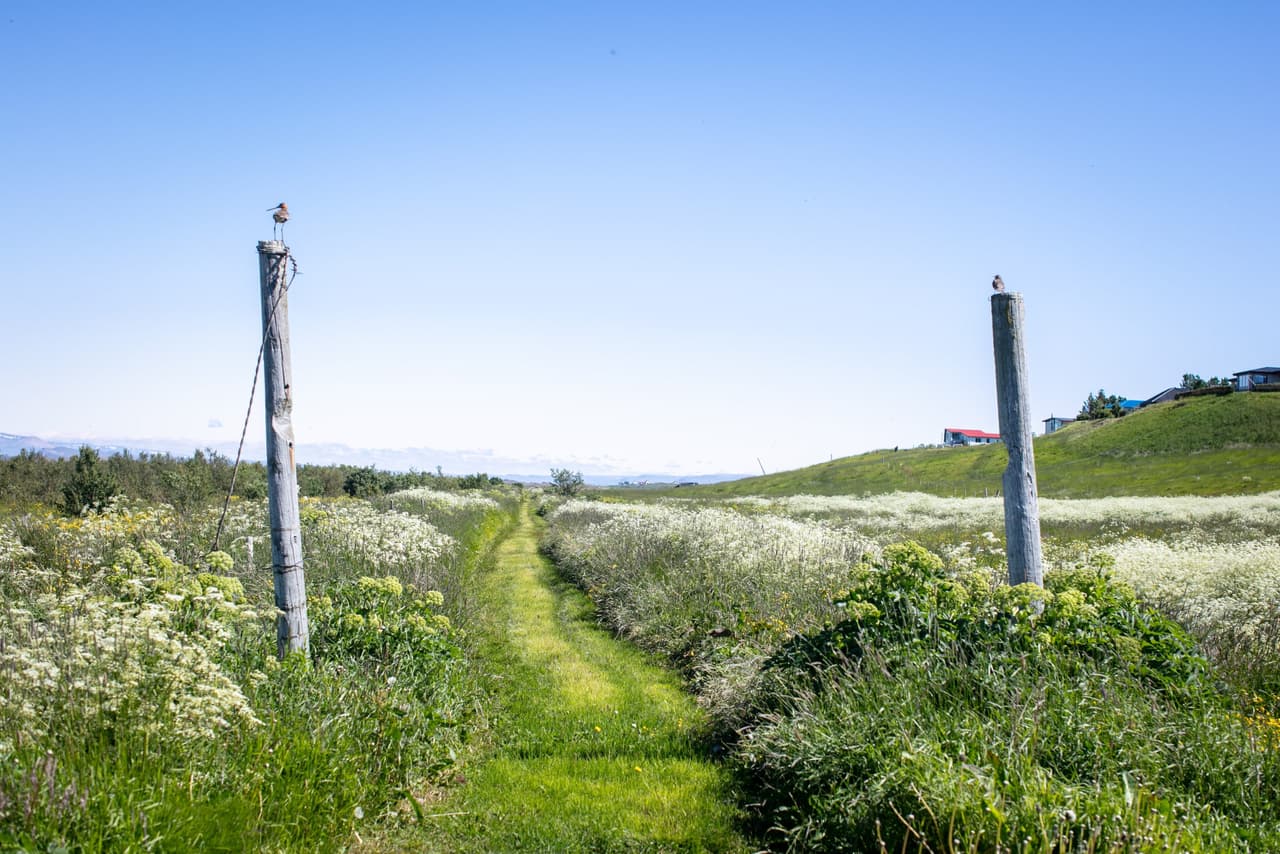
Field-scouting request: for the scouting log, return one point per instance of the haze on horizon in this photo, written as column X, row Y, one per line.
column 666, row 238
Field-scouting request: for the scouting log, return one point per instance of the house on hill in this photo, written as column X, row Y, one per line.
column 1249, row 380
column 1166, row 395
column 957, row 436
column 1054, row 423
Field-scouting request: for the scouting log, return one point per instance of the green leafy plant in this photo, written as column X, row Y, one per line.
column 90, row 485
column 383, row 622
column 952, row 712
column 1101, row 405
column 566, row 482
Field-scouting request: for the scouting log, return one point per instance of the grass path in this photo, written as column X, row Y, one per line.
column 594, row 747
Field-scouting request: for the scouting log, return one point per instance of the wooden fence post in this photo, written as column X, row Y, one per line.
column 292, row 632
column 1021, row 510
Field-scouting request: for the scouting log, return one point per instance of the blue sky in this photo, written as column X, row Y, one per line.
column 670, row 237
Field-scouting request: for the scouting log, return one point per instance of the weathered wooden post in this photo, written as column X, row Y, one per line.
column 1021, row 510
column 282, row 479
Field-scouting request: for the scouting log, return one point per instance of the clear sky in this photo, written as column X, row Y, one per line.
column 630, row 237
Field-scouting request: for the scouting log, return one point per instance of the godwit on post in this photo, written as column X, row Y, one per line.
column 281, row 216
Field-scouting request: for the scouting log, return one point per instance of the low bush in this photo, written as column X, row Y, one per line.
column 950, row 713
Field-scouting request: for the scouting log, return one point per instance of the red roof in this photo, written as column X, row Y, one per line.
column 973, row 434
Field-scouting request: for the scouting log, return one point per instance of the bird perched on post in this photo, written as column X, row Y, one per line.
column 997, row 284
column 281, row 216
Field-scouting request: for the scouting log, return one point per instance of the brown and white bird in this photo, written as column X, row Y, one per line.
column 997, row 284
column 281, row 216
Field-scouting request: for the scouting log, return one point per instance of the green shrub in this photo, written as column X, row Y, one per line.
column 90, row 485
column 953, row 713
column 382, row 624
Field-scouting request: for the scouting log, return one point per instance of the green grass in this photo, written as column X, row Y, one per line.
column 948, row 714
column 938, row 709
column 140, row 711
column 591, row 746
column 1200, row 446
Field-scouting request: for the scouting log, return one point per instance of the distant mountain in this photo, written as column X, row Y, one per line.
column 11, row 445
column 527, row 470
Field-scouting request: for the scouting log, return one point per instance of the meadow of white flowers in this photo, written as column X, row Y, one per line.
column 715, row 552
column 106, row 627
column 1224, row 516
column 426, row 498
column 1209, row 586
column 1213, row 562
column 116, row 634
column 141, row 697
column 381, row 542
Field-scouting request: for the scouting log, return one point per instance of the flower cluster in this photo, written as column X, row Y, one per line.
column 713, row 589
column 915, row 511
column 344, row 536
column 380, row 542
column 426, row 498
column 107, row 628
column 383, row 623
column 1206, row 585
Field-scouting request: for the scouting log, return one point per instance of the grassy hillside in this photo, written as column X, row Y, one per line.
column 1200, row 446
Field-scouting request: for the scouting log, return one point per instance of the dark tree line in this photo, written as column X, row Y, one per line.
column 368, row 482
column 186, row 483
column 1194, row 381
column 89, row 480
column 1103, row 405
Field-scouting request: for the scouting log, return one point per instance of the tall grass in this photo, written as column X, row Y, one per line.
column 881, row 697
column 142, row 705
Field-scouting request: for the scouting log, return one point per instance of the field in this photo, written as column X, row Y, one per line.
column 1200, row 446
column 142, row 705
column 495, row 669
column 872, row 692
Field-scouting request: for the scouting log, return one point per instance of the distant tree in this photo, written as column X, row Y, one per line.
column 363, row 483
column 32, row 478
column 473, row 481
column 190, row 484
column 1101, row 405
column 90, row 485
column 566, row 482
column 251, row 483
column 1195, row 381
column 321, row 481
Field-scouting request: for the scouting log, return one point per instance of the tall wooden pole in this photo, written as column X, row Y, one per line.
column 1021, row 509
column 282, row 479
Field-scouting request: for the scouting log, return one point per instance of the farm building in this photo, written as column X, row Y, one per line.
column 1254, row 377
column 957, row 436
column 1054, row 423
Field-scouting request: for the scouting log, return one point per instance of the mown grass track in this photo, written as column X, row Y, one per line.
column 592, row 746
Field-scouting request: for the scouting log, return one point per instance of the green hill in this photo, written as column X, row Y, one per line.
column 1196, row 446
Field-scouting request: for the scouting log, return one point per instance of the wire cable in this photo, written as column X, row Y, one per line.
column 253, row 389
